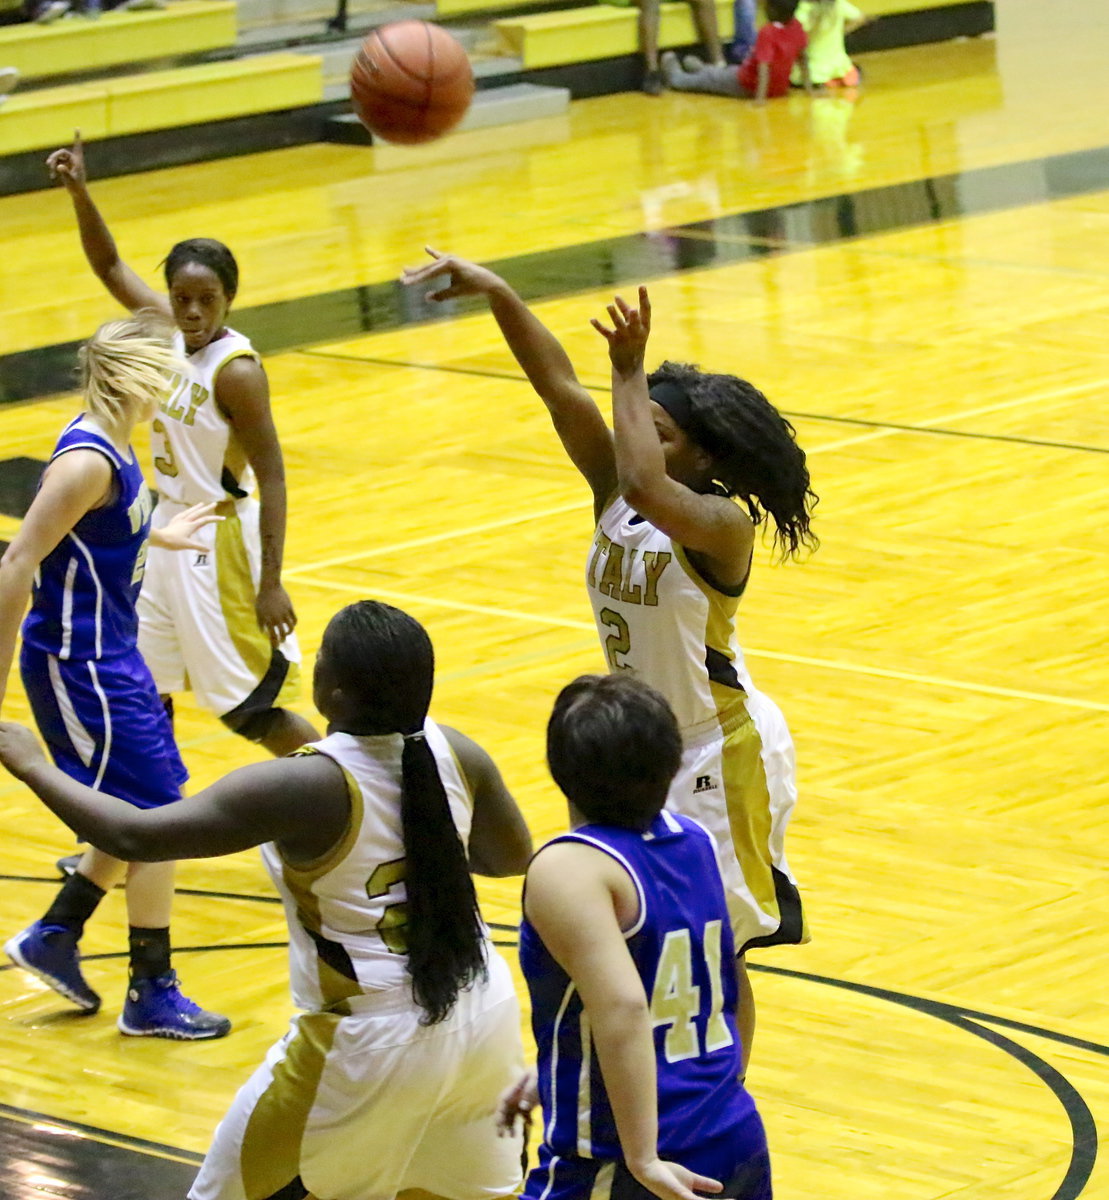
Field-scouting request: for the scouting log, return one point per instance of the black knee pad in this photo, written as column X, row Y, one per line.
column 255, row 726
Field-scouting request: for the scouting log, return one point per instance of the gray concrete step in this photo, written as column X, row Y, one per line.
column 491, row 106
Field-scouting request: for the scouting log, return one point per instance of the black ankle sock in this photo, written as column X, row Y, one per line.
column 75, row 902
column 149, row 952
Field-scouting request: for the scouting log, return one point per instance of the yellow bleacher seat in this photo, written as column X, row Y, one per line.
column 159, row 100
column 446, row 9
column 601, row 31
column 32, row 119
column 184, row 27
column 213, row 92
column 607, row 30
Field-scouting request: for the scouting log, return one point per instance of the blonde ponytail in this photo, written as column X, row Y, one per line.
column 127, row 365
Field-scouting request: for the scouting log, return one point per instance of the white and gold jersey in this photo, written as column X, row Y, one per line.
column 657, row 616
column 197, row 457
column 346, row 912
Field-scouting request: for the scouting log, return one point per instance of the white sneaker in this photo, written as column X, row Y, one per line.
column 9, row 77
column 50, row 11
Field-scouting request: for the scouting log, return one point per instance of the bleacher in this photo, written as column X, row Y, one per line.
column 121, row 89
column 597, row 31
column 126, row 77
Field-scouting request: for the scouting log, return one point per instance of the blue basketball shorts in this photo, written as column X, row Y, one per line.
column 105, row 725
column 740, row 1161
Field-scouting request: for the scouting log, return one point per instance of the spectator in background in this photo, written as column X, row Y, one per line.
column 43, row 12
column 704, row 17
column 827, row 23
column 745, row 31
column 763, row 74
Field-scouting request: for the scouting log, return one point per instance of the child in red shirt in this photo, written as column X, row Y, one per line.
column 763, row 74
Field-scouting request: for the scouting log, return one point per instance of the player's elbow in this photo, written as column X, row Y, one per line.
column 617, row 1012
column 509, row 857
column 17, row 572
column 132, row 843
column 506, row 853
column 638, row 488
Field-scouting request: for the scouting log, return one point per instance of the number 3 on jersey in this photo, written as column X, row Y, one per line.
column 164, row 462
column 618, row 642
column 392, row 927
column 676, row 999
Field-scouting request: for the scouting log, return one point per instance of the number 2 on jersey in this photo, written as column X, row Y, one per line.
column 618, row 642
column 394, row 920
column 676, row 999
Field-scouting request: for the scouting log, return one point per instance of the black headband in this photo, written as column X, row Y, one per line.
column 673, row 399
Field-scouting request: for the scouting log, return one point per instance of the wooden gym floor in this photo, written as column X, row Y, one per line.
column 919, row 279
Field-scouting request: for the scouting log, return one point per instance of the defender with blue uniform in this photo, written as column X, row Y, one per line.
column 681, row 944
column 91, row 693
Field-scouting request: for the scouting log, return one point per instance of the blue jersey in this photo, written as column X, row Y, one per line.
column 83, row 603
column 682, row 947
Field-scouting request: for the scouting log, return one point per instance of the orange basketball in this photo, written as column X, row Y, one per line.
column 411, row 82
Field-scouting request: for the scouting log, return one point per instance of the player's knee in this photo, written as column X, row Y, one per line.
column 254, row 726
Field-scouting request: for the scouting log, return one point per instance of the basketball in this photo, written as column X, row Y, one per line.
column 411, row 82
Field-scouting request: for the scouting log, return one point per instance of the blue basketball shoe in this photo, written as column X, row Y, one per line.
column 49, row 952
column 156, row 1008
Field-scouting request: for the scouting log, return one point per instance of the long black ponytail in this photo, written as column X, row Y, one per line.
column 384, row 662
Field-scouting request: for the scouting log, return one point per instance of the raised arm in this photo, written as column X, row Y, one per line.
column 300, row 802
column 74, row 483
column 577, row 419
column 68, row 167
column 500, row 843
column 710, row 525
column 570, row 899
column 243, row 394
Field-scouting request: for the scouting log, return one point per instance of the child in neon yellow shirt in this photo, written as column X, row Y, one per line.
column 827, row 22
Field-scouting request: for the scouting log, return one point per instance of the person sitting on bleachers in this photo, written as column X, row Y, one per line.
column 762, row 75
column 704, row 17
column 43, row 12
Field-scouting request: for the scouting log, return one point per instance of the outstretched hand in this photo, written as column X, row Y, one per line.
column 670, row 1181
column 459, row 276
column 517, row 1103
column 180, row 533
column 19, row 749
column 67, row 165
column 627, row 339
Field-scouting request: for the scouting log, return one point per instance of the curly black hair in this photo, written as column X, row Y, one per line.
column 755, row 453
column 206, row 252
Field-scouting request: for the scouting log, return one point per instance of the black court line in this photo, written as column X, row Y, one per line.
column 143, row 1145
column 798, row 414
column 630, row 258
column 106, row 956
column 1084, row 1138
column 203, row 892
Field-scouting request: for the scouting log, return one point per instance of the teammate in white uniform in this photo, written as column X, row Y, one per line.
column 217, row 621
column 671, row 556
column 388, row 1081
